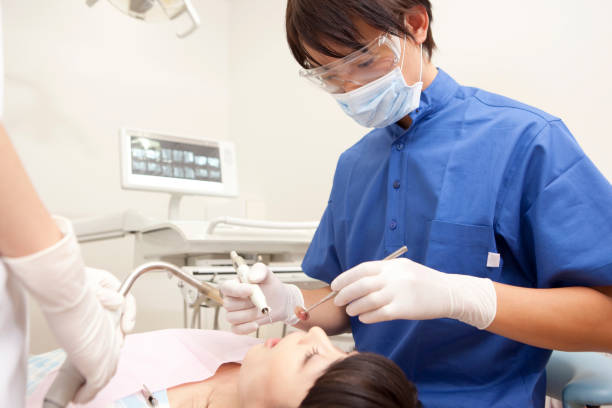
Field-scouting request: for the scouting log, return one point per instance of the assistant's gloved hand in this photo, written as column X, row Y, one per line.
column 402, row 289
column 244, row 317
column 79, row 307
column 106, row 287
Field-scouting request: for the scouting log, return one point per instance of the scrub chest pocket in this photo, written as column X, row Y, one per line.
column 462, row 249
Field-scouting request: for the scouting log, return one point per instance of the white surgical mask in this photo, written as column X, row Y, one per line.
column 384, row 101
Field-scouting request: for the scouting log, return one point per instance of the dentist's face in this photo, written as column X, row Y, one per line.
column 279, row 373
column 410, row 51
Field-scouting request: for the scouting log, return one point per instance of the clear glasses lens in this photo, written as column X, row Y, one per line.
column 363, row 66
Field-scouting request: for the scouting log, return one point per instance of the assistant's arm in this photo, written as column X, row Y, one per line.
column 25, row 224
column 570, row 319
column 43, row 254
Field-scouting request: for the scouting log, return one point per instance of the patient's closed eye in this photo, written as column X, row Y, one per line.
column 312, row 352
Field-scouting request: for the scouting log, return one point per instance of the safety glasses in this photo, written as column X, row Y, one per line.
column 359, row 68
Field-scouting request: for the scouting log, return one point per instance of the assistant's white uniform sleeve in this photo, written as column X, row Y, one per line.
column 13, row 325
column 13, row 328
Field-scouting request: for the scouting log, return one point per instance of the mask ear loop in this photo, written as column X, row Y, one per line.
column 404, row 56
column 421, row 74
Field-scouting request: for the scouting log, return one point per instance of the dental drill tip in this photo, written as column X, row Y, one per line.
column 266, row 311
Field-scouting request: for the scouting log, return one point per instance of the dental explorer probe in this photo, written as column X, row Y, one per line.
column 258, row 298
column 69, row 379
column 303, row 314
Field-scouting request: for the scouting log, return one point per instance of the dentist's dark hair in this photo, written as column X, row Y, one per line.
column 364, row 380
column 325, row 24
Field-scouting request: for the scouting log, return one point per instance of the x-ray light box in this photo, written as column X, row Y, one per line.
column 158, row 162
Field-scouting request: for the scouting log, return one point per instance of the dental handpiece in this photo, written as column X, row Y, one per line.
column 258, row 298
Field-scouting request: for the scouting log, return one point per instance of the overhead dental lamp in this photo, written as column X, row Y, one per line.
column 158, row 10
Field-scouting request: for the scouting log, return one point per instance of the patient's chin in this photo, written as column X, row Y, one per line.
column 253, row 378
column 255, row 355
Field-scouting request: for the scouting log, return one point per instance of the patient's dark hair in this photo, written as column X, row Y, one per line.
column 364, row 380
column 323, row 24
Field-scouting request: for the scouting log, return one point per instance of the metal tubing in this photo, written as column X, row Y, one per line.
column 206, row 289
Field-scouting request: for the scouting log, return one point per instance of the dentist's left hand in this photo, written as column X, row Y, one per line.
column 402, row 289
column 242, row 313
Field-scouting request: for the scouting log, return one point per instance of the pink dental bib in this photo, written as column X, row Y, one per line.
column 163, row 359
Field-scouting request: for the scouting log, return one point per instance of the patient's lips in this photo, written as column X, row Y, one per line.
column 301, row 313
column 271, row 342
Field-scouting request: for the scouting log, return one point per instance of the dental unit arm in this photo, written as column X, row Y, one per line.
column 69, row 380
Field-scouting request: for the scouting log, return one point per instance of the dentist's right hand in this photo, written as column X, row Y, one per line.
column 242, row 314
column 81, row 306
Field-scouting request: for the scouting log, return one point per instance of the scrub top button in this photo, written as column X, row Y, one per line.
column 393, row 225
column 399, row 146
column 396, row 184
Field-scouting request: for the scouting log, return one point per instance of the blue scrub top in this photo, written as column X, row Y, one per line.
column 475, row 173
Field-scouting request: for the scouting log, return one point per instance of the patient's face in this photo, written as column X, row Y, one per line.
column 279, row 373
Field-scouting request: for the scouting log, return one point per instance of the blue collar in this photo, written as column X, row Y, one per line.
column 434, row 98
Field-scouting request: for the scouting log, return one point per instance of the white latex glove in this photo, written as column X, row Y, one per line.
column 244, row 317
column 106, row 286
column 74, row 304
column 402, row 289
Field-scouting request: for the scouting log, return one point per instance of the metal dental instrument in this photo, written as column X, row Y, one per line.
column 258, row 298
column 148, row 396
column 205, row 288
column 69, row 380
column 303, row 314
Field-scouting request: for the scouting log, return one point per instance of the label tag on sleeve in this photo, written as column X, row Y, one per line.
column 493, row 260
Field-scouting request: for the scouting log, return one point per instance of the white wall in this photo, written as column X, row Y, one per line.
column 75, row 75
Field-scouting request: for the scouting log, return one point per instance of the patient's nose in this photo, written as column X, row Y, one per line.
column 315, row 335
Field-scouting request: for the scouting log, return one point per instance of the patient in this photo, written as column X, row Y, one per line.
column 223, row 370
